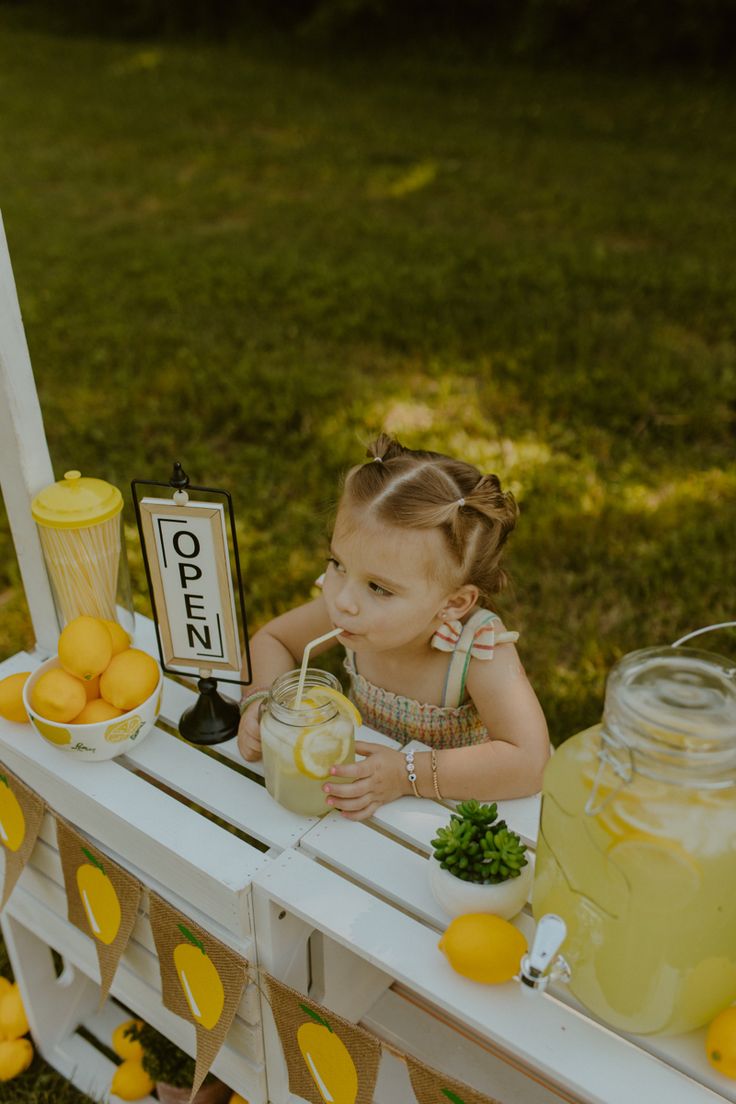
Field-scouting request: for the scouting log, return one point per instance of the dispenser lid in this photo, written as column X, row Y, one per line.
column 75, row 502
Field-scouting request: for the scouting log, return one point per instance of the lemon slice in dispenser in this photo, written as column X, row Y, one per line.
column 318, row 749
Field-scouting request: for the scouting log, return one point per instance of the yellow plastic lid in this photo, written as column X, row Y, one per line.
column 76, row 502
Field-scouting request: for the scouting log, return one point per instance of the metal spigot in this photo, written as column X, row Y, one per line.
column 543, row 964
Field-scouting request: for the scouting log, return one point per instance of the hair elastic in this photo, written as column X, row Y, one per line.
column 460, row 502
column 378, row 458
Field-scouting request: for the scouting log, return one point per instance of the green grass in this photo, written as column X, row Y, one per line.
column 251, row 258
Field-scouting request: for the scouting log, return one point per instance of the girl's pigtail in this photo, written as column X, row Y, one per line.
column 384, row 448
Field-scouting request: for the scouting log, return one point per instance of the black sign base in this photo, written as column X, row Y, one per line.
column 212, row 719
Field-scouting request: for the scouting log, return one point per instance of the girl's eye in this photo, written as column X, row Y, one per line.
column 377, row 589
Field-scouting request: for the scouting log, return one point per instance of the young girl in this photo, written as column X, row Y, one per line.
column 415, row 558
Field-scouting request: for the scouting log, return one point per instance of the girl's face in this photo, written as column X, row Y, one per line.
column 385, row 586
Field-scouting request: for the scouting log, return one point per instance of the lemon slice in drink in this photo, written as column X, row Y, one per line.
column 318, row 749
column 320, row 695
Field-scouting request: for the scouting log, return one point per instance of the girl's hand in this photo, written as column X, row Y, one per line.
column 378, row 778
column 249, row 733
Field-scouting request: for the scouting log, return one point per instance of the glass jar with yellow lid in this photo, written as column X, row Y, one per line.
column 80, row 522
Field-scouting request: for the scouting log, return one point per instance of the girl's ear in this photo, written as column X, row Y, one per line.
column 459, row 603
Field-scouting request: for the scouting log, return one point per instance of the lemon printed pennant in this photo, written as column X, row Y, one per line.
column 21, row 816
column 432, row 1087
column 102, row 899
column 202, row 980
column 330, row 1060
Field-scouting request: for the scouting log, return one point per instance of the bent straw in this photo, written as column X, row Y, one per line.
column 305, row 661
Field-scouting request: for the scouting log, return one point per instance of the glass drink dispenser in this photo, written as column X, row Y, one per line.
column 637, row 844
column 80, row 522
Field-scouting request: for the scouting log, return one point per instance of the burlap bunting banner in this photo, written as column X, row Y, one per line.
column 432, row 1087
column 102, row 899
column 328, row 1058
column 21, row 816
column 202, row 980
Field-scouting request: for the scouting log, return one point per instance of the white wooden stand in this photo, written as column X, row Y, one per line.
column 341, row 911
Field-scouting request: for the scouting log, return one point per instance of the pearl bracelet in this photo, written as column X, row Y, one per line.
column 410, row 770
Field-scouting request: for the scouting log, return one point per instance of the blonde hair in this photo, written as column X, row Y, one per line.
column 427, row 490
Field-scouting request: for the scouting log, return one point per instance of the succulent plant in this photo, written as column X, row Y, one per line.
column 477, row 847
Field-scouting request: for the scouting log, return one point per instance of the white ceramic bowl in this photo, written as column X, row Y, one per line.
column 457, row 897
column 103, row 739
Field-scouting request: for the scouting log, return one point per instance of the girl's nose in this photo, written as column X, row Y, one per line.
column 345, row 601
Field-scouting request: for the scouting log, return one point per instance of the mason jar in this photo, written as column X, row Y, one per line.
column 300, row 745
column 637, row 844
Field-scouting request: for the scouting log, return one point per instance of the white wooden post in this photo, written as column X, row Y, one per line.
column 25, row 464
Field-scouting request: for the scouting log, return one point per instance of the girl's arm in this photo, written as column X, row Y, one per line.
column 508, row 765
column 278, row 647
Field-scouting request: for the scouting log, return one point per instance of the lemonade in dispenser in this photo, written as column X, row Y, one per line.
column 637, row 844
column 80, row 522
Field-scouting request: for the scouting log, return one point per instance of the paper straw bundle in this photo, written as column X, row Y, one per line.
column 83, row 565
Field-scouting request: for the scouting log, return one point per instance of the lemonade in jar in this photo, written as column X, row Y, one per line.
column 637, row 845
column 301, row 743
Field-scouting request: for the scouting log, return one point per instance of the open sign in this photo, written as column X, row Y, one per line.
column 192, row 584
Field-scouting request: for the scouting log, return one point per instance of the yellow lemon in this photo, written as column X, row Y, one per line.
column 12, row 821
column 96, row 711
column 328, row 1060
column 92, row 688
column 317, row 749
column 16, row 1056
column 123, row 1045
column 51, row 733
column 119, row 637
column 5, row 987
column 483, row 947
column 720, row 1042
column 85, row 647
column 199, row 979
column 99, row 898
column 13, row 1020
column 58, row 696
column 236, row 1098
column 131, row 678
column 130, row 1081
column 11, row 698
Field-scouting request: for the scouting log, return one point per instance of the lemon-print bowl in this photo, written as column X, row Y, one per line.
column 102, row 739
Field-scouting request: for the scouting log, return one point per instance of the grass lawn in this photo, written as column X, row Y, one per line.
column 253, row 258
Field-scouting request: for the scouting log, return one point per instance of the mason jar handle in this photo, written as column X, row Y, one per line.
column 701, row 632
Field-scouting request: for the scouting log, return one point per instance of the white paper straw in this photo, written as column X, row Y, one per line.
column 305, row 661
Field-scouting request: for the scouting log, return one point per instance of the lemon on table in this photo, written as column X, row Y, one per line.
column 85, row 647
column 58, row 696
column 720, row 1042
column 483, row 947
column 130, row 1081
column 11, row 697
column 236, row 1098
column 318, row 749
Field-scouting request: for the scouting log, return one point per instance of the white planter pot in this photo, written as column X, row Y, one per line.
column 457, row 897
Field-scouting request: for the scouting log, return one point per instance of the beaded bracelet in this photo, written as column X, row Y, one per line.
column 253, row 696
column 410, row 770
column 437, row 793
